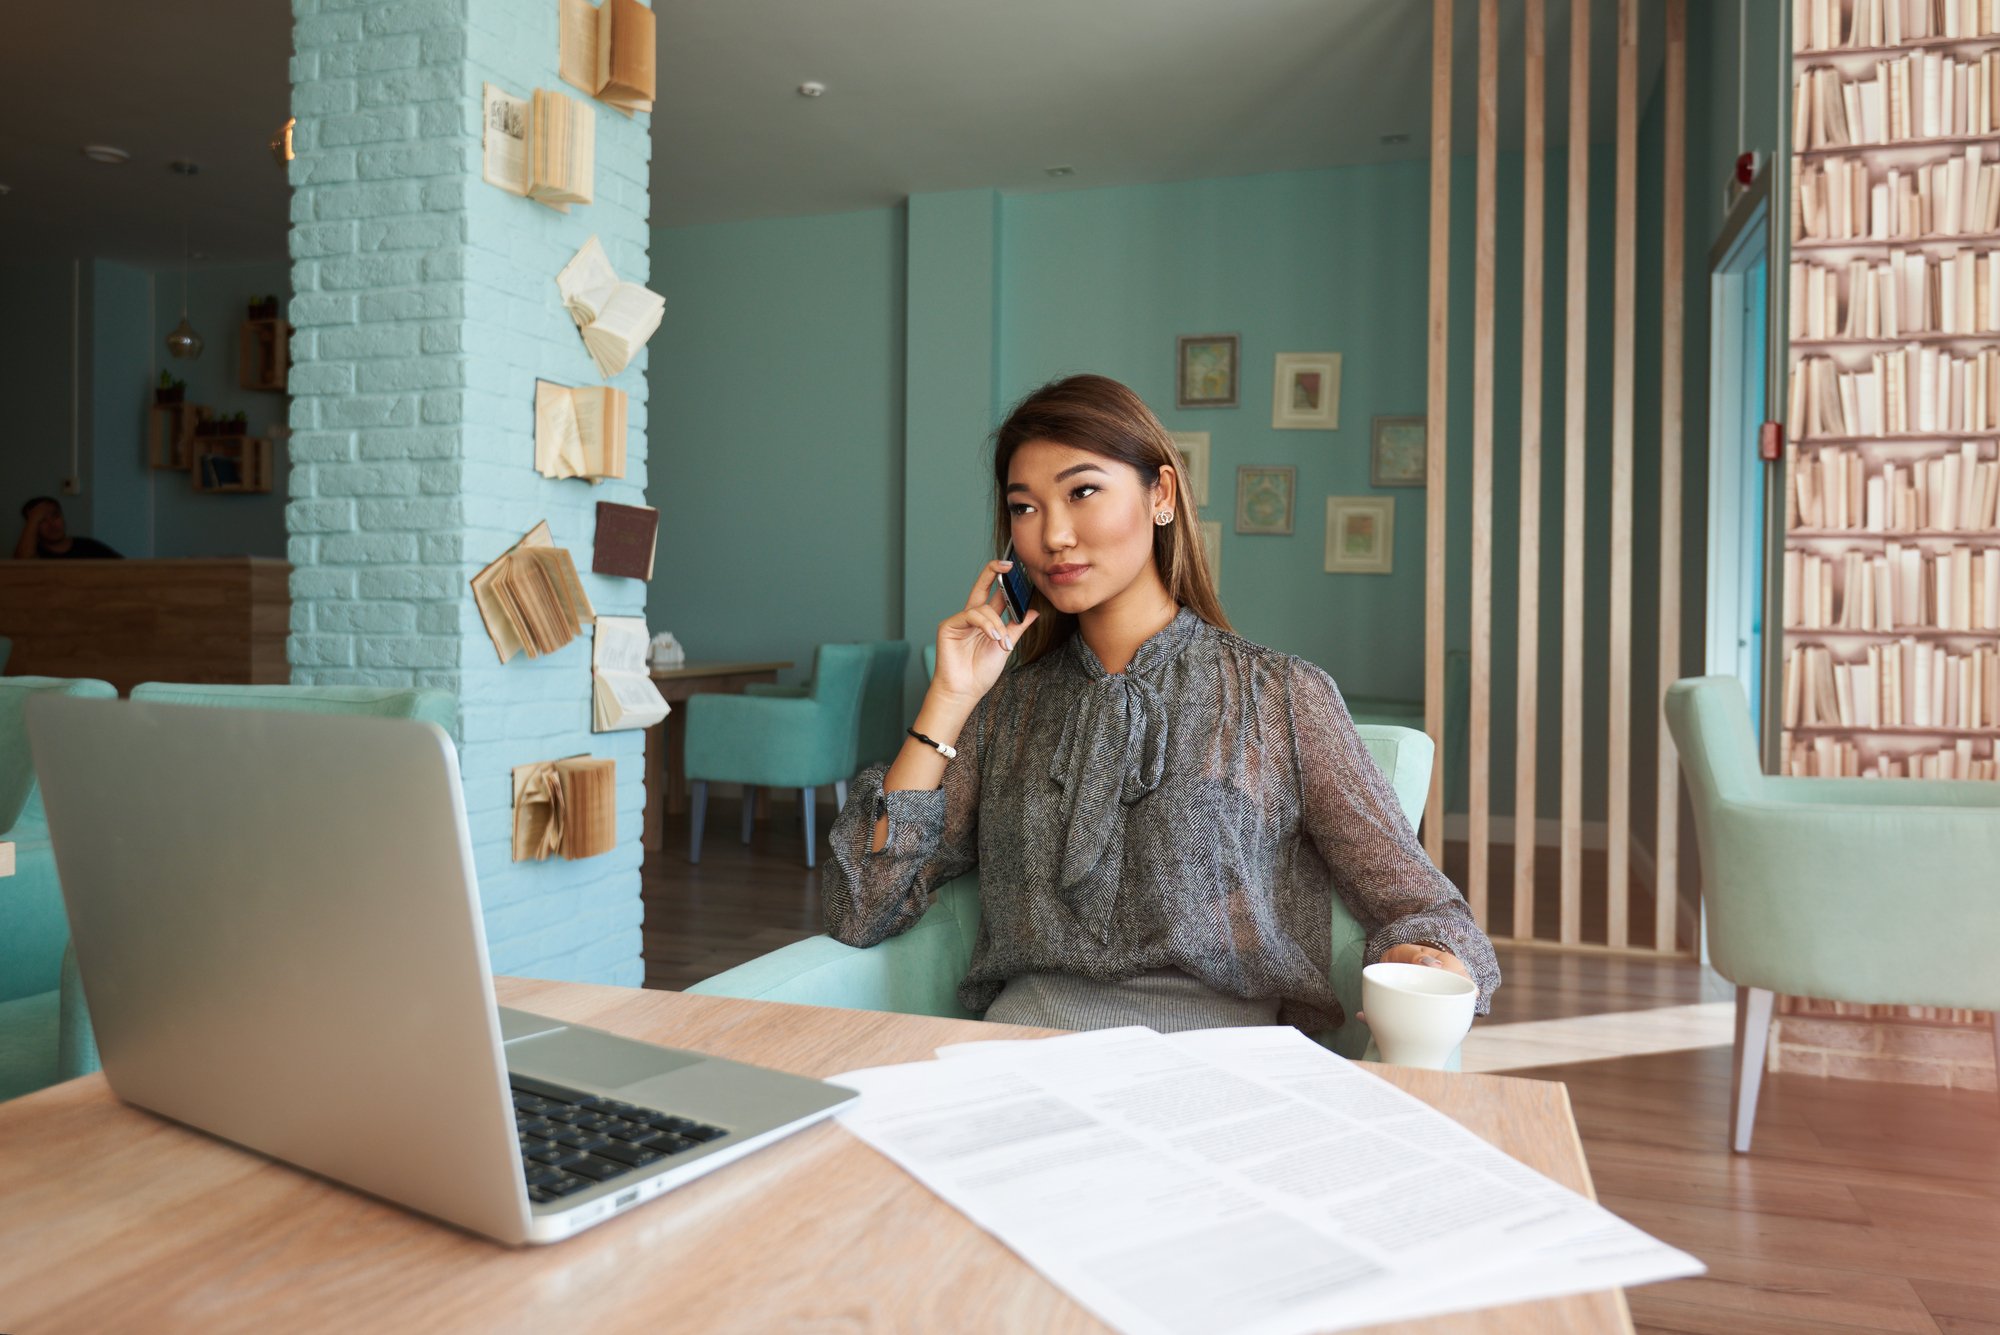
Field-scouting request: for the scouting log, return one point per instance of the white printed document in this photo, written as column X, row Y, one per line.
column 1242, row 1180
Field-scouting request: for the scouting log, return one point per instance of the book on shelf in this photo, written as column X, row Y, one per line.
column 615, row 317
column 1831, row 25
column 1835, row 488
column 543, row 147
column 1904, row 588
column 1907, row 295
column 1912, row 390
column 530, row 597
column 567, row 807
column 1920, row 96
column 1851, row 199
column 622, row 693
column 627, row 537
column 579, row 431
column 1832, row 757
column 1905, row 684
column 609, row 51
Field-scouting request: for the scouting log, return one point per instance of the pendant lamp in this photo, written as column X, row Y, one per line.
column 183, row 343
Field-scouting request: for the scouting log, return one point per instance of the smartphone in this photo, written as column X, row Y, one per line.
column 1015, row 586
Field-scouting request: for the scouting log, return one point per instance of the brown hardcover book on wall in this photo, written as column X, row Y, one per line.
column 627, row 536
column 625, row 72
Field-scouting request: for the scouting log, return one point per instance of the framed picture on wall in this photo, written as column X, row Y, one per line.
column 1205, row 371
column 1360, row 535
column 1211, row 542
column 1397, row 453
column 1305, row 392
column 1264, row 501
column 1193, row 446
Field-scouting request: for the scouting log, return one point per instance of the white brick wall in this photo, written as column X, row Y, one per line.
column 425, row 308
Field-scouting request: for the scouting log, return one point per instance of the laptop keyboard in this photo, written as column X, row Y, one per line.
column 571, row 1140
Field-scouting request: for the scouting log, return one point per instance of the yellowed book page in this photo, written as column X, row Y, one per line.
column 494, row 610
column 576, row 44
column 562, row 159
column 600, row 423
column 538, row 536
column 533, row 812
column 559, row 432
column 588, row 282
column 505, row 121
column 565, row 570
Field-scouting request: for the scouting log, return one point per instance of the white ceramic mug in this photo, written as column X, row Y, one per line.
column 1417, row 1012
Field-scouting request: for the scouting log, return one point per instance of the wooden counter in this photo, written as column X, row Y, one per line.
column 219, row 620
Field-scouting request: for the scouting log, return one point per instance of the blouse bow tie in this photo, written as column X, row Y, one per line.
column 1112, row 752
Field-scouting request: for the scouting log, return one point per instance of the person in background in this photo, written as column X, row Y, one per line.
column 45, row 536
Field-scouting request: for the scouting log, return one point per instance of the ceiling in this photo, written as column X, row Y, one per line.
column 922, row 95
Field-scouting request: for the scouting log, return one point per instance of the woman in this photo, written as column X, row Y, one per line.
column 1158, row 809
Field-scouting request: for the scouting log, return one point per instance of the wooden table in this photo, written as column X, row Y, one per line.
column 114, row 1220
column 664, row 751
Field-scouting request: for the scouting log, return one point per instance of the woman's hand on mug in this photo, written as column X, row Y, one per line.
column 1426, row 955
column 972, row 647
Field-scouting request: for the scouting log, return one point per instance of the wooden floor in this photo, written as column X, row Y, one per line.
column 1861, row 1208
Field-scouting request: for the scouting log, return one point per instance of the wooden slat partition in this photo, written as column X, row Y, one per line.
column 1528, row 634
column 1666, row 826
column 1434, row 430
column 1479, row 757
column 1576, row 355
column 1624, row 285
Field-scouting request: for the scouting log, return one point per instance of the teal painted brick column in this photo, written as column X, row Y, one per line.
column 950, row 379
column 425, row 307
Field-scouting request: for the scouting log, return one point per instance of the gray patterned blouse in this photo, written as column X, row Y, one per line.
column 1192, row 812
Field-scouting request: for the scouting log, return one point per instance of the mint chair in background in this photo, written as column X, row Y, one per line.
column 1879, row 891
column 918, row 971
column 765, row 741
column 881, row 718
column 79, row 1046
column 33, row 928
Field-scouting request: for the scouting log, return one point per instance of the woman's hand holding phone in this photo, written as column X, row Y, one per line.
column 973, row 646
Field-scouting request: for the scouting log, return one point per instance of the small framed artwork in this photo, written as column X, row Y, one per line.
column 1264, row 501
column 1305, row 393
column 1397, row 453
column 1211, row 543
column 1360, row 535
column 1205, row 376
column 1193, row 446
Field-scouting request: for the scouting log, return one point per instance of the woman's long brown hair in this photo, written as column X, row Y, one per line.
column 1097, row 414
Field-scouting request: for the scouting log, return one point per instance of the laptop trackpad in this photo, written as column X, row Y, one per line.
column 576, row 1056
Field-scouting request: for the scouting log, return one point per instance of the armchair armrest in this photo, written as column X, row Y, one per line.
column 1883, row 904
column 772, row 690
column 1881, row 792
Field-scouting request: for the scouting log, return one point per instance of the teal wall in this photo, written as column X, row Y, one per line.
column 777, row 435
column 123, row 315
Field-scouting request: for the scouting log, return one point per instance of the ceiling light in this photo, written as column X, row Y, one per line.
column 105, row 153
column 1393, row 139
column 183, row 343
column 1060, row 171
column 812, row 88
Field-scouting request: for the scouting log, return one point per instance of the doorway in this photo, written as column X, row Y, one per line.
column 1739, row 290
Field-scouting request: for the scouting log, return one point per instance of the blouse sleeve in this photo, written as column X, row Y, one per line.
column 1354, row 819
column 933, row 837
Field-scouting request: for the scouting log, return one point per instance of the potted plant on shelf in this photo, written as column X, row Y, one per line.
column 267, row 309
column 169, row 390
column 239, row 425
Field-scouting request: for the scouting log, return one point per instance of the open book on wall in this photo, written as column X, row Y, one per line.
column 579, row 432
column 565, row 806
column 530, row 597
column 544, row 147
column 622, row 694
column 608, row 51
column 615, row 317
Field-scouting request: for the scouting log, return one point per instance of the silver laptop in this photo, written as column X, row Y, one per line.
column 279, row 932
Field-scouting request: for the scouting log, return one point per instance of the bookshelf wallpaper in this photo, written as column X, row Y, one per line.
column 1891, row 574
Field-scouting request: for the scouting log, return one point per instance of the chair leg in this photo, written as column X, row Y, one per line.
column 840, row 794
column 697, row 813
column 806, row 805
column 1753, row 1035
column 749, row 809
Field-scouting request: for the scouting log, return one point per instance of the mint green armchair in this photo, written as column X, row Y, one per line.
column 881, row 720
column 33, row 928
column 1878, row 891
column 918, row 972
column 765, row 741
column 78, row 1045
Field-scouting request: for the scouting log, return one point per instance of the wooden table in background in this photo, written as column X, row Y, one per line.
column 663, row 740
column 112, row 1219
